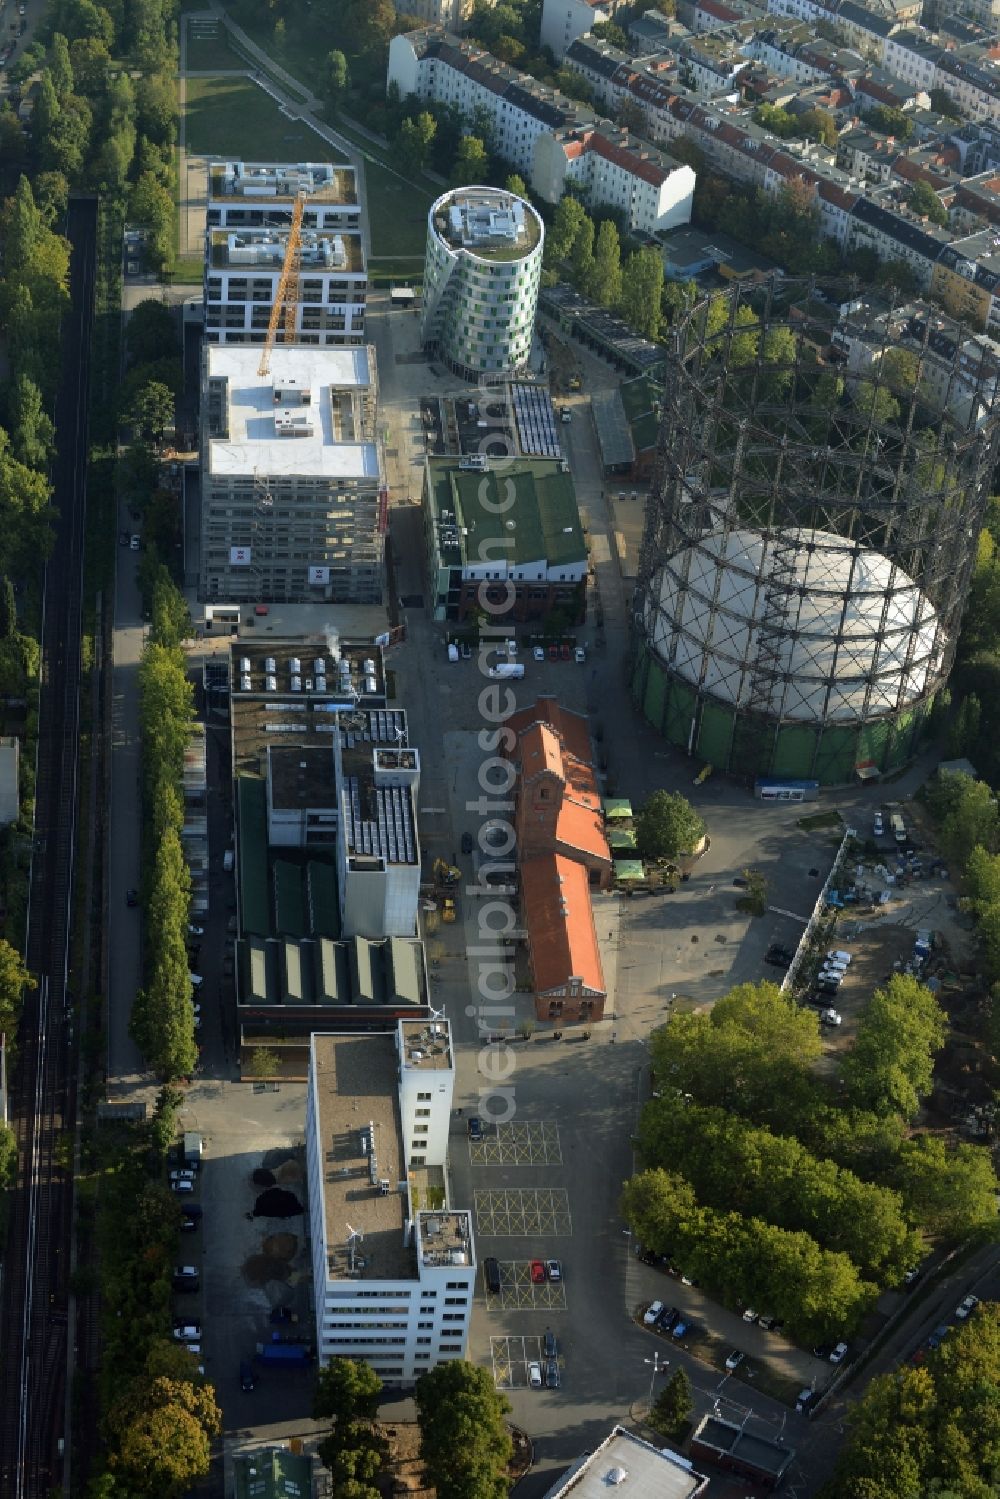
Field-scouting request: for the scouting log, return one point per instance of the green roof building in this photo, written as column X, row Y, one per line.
column 497, row 522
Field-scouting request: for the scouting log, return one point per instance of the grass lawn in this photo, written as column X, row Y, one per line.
column 206, row 53
column 383, row 269
column 233, row 117
column 397, row 207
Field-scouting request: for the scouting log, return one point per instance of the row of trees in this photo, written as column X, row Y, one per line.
column 465, row 1445
column 736, row 1165
column 162, row 1016
column 816, row 1292
column 105, row 111
column 754, row 1056
column 160, row 1413
column 934, row 1429
column 590, row 253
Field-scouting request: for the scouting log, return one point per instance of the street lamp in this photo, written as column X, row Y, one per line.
column 658, row 1367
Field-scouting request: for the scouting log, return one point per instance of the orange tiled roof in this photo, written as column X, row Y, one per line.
column 540, row 750
column 560, row 924
column 571, row 727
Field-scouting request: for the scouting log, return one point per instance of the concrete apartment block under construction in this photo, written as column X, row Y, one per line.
column 249, row 215
column 292, row 499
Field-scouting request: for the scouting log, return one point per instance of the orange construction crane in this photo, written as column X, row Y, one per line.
column 287, row 291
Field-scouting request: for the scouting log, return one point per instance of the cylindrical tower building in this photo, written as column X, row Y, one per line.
column 481, row 275
column 810, row 537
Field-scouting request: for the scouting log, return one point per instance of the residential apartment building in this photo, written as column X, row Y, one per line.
column 545, row 135
column 451, row 14
column 393, row 1261
column 242, row 271
column 292, row 502
column 564, row 20
column 481, row 276
column 503, row 527
column 262, row 194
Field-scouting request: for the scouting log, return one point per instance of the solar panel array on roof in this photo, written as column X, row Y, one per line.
column 613, row 433
column 389, row 833
column 536, row 421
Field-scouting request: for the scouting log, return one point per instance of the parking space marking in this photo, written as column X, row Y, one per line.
column 521, row 1144
column 520, row 1212
column 518, row 1293
column 510, row 1357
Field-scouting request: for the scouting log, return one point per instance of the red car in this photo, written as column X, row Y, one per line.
column 565, row 653
column 537, row 1273
column 553, row 653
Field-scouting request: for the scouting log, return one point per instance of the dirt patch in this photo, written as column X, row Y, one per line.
column 260, row 1268
column 280, row 1246
column 288, row 1172
column 275, row 1203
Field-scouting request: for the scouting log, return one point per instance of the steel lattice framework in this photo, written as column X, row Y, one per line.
column 810, row 533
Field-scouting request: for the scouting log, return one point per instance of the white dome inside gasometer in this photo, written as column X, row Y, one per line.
column 847, row 634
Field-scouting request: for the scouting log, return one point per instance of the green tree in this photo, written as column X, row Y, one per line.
column 963, row 733
column 471, row 162
column 32, row 429
column 943, row 104
column 414, row 141
column 819, row 125
column 156, row 115
column 607, row 273
column 582, row 255
column 951, row 1192
column 668, row 825
column 338, row 78
column 890, row 1066
column 925, row 201
column 464, row 1441
column 875, row 401
column 671, row 1410
column 516, row 184
column 263, row 1062
column 642, row 290
column 26, row 535
column 569, row 215
column 60, row 67
column 895, row 122
column 22, row 229
column 753, row 1053
column 152, row 412
column 151, row 332
column 52, row 197
column 346, row 1390
column 8, row 610
column 160, row 1434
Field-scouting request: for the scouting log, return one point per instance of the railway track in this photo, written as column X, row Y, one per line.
column 35, row 1294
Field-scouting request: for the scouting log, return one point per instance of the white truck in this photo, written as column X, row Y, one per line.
column 898, row 830
column 507, row 669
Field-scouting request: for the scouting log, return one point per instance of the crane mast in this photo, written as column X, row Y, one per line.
column 286, row 293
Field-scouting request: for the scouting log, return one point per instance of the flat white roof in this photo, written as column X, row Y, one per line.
column 253, row 443
column 625, row 1464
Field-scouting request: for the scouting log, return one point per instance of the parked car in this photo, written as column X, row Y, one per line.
column 838, row 1353
column 768, row 1323
column 734, row 1360
column 652, row 1312
column 878, row 827
column 805, row 1401
column 122, row 535
column 839, row 956
column 537, row 1273
column 553, row 653
column 667, row 1318
column 465, row 651
column 538, row 652
column 549, row 1346
column 186, row 1173
column 823, row 1351
column 778, row 957
column 195, row 931
column 750, row 1315
column 830, row 1017
column 468, row 843
column 966, row 1307
column 553, row 1269
column 564, row 653
column 196, row 980
column 475, row 1128
column 938, row 1336
column 185, row 1331
column 184, row 1278
column 182, row 1185
column 535, row 1376
column 551, row 1374
column 247, row 1376
column 681, row 1329
column 134, row 543
column 579, row 655
column 911, row 1277
column 131, row 897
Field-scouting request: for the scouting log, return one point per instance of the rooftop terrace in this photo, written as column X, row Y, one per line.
column 264, row 250
column 245, row 181
column 487, row 223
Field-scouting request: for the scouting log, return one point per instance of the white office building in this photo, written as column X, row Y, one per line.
column 394, row 1262
column 292, row 499
column 481, row 278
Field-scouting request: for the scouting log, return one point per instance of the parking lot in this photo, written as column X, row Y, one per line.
column 518, row 1144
